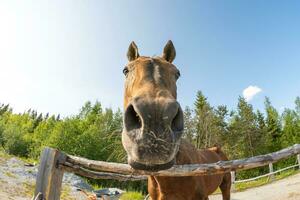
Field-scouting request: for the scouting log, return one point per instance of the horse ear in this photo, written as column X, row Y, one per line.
column 132, row 52
column 169, row 53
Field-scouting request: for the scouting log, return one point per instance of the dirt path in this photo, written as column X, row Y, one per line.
column 285, row 189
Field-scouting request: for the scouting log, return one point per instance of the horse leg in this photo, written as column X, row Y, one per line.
column 225, row 186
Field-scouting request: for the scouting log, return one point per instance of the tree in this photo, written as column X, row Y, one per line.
column 290, row 133
column 204, row 117
column 189, row 125
column 4, row 108
column 219, row 125
column 273, row 125
column 36, row 122
column 265, row 140
column 41, row 135
column 15, row 137
column 297, row 103
column 291, row 125
column 244, row 134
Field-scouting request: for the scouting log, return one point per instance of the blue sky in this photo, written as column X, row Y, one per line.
column 55, row 55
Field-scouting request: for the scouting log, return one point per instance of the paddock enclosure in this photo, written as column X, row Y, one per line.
column 54, row 163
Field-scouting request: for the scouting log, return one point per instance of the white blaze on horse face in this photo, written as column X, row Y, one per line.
column 157, row 74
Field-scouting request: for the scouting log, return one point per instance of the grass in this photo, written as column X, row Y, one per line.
column 9, row 174
column 95, row 186
column 129, row 195
column 28, row 160
column 28, row 189
column 132, row 196
column 4, row 155
column 65, row 193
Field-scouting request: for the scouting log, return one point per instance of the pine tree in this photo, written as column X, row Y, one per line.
column 273, row 125
column 265, row 141
column 297, row 103
column 290, row 133
column 33, row 114
column 36, row 121
column 220, row 126
column 189, row 125
column 204, row 117
column 46, row 116
column 4, row 108
column 244, row 134
column 291, row 125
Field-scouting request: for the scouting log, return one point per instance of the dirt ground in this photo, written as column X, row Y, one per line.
column 285, row 189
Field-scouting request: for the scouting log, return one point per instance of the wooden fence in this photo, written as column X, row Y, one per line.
column 270, row 175
column 54, row 163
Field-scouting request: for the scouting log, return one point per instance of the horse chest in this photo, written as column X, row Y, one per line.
column 175, row 188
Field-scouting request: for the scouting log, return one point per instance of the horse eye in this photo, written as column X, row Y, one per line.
column 177, row 74
column 125, row 71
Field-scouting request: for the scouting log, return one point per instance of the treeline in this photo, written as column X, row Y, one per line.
column 95, row 132
column 243, row 132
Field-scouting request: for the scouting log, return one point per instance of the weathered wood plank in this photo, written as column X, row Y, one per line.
column 188, row 170
column 50, row 174
column 232, row 181
column 53, row 163
column 265, row 175
column 101, row 175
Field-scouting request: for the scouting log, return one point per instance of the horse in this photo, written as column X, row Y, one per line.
column 153, row 127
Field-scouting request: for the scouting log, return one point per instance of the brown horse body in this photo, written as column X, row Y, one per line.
column 194, row 187
column 153, row 126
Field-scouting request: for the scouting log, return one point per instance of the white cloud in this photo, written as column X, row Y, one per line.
column 250, row 92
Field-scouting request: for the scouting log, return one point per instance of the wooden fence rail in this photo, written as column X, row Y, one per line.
column 270, row 175
column 267, row 175
column 53, row 163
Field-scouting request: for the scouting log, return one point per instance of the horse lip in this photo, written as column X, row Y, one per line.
column 153, row 168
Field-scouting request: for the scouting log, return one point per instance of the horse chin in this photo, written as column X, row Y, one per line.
column 150, row 167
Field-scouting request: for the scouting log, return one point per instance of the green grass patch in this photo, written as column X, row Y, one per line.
column 3, row 154
column 28, row 160
column 6, row 156
column 28, row 189
column 9, row 174
column 132, row 196
column 65, row 193
column 95, row 186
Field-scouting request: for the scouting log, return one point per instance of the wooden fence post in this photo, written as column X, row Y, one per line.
column 298, row 158
column 232, row 181
column 49, row 178
column 271, row 177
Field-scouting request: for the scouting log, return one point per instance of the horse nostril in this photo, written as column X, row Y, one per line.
column 177, row 123
column 131, row 119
